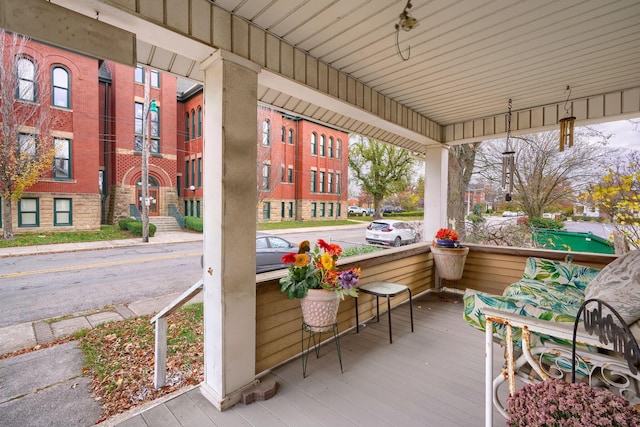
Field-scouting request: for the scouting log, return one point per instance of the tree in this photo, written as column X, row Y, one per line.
column 27, row 148
column 618, row 195
column 380, row 169
column 543, row 175
column 461, row 163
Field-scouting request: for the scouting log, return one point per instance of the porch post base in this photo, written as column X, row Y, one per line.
column 226, row 402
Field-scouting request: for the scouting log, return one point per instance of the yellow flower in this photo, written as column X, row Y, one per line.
column 327, row 261
column 302, row 260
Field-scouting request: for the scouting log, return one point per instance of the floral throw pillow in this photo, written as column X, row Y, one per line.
column 619, row 285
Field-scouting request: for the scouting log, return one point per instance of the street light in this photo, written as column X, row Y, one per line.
column 146, row 201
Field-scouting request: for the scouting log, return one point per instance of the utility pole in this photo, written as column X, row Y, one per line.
column 149, row 105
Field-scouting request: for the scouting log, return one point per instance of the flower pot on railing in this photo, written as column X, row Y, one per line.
column 449, row 261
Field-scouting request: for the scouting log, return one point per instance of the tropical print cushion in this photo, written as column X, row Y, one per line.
column 559, row 273
column 475, row 302
column 619, row 285
column 558, row 298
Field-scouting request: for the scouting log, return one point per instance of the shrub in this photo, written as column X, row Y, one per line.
column 193, row 223
column 545, row 223
column 124, row 223
column 135, row 227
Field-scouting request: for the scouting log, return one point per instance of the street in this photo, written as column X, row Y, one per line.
column 39, row 287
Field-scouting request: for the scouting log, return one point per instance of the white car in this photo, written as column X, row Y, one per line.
column 356, row 210
column 390, row 232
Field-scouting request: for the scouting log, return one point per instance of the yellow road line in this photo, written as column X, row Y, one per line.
column 102, row 264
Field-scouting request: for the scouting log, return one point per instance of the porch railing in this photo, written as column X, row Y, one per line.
column 160, row 319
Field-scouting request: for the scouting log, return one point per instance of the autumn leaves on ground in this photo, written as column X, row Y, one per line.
column 119, row 358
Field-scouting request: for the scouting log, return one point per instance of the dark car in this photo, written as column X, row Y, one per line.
column 269, row 251
column 387, row 209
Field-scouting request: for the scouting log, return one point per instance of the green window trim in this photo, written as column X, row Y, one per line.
column 62, row 212
column 29, row 212
column 62, row 159
column 60, row 87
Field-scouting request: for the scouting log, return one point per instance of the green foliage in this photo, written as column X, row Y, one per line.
column 193, row 223
column 136, row 228
column 124, row 223
column 359, row 250
column 476, row 216
column 545, row 223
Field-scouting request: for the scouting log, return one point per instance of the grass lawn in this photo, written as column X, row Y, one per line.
column 106, row 232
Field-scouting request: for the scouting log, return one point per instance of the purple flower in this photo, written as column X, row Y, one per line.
column 348, row 279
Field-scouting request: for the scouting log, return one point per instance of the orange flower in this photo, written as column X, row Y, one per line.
column 302, row 260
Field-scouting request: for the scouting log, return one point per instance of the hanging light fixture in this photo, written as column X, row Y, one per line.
column 406, row 22
column 566, row 124
column 508, row 161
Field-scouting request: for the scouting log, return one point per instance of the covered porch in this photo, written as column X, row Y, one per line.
column 434, row 376
column 336, row 62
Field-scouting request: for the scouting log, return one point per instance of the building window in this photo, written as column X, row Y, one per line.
column 62, row 160
column 266, row 174
column 27, row 144
column 60, row 88
column 338, row 184
column 338, row 148
column 314, row 143
column 283, row 177
column 330, row 183
column 155, row 79
column 331, row 209
column 193, row 171
column 199, row 172
column 198, row 208
column 186, row 127
column 330, row 154
column 282, row 210
column 339, row 209
column 139, row 124
column 186, row 174
column 28, row 212
column 283, row 135
column 322, row 209
column 266, row 210
column 314, row 177
column 290, row 175
column 290, row 209
column 62, row 212
column 193, row 124
column 138, row 74
column 314, row 210
column 322, row 145
column 266, row 133
column 199, row 122
column 290, row 136
column 26, row 74
column 322, row 174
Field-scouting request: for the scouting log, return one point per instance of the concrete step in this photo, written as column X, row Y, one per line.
column 164, row 223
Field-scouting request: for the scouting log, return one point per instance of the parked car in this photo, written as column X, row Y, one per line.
column 269, row 251
column 397, row 209
column 390, row 232
column 387, row 209
column 356, row 210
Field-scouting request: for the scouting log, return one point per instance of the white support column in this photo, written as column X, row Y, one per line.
column 435, row 190
column 230, row 131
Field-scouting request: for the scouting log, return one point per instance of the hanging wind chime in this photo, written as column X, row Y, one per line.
column 566, row 125
column 508, row 161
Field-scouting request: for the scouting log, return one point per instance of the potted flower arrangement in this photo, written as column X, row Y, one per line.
column 314, row 277
column 558, row 403
column 448, row 255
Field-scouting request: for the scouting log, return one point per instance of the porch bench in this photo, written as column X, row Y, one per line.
column 544, row 303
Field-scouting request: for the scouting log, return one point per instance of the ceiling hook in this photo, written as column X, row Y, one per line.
column 566, row 103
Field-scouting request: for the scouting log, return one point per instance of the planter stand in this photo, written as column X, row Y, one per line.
column 312, row 331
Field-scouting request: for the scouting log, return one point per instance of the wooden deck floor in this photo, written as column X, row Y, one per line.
column 432, row 377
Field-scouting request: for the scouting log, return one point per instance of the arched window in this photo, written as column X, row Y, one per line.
column 199, row 122
column 60, row 88
column 26, row 76
column 266, row 132
column 193, row 124
column 186, row 127
column 314, row 143
column 338, row 148
column 291, row 136
column 283, row 134
column 322, row 145
column 330, row 150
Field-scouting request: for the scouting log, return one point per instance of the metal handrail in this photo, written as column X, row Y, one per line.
column 134, row 212
column 174, row 212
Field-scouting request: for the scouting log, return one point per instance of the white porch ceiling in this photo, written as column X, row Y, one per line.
column 467, row 57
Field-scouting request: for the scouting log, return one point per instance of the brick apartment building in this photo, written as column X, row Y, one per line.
column 301, row 170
